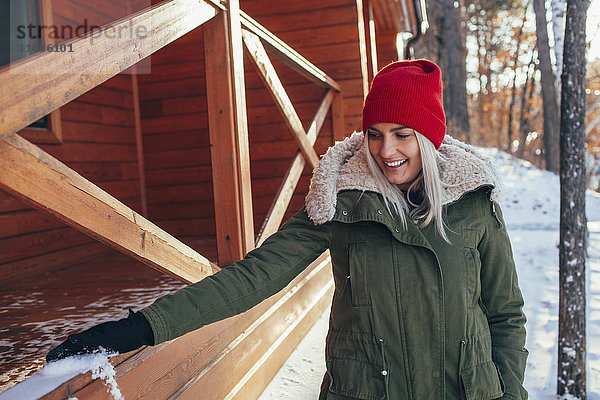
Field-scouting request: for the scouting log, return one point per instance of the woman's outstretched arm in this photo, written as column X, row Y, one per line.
column 233, row 290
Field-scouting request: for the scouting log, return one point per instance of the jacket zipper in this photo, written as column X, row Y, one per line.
column 384, row 371
column 341, row 293
column 461, row 356
column 496, row 215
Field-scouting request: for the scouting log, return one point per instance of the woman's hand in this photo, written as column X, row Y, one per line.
column 120, row 336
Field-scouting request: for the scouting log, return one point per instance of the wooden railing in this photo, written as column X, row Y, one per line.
column 37, row 85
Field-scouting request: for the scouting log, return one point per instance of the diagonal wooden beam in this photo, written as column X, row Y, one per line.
column 269, row 76
column 31, row 174
column 287, row 55
column 36, row 85
column 292, row 176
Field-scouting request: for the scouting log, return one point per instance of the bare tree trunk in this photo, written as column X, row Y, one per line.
column 525, row 96
column 558, row 28
column 457, row 72
column 513, row 91
column 551, row 135
column 572, row 244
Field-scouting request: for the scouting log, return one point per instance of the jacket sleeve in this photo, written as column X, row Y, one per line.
column 238, row 287
column 503, row 303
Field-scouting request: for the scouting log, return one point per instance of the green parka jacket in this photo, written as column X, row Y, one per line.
column 412, row 317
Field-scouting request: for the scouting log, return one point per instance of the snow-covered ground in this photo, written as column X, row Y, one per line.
column 531, row 205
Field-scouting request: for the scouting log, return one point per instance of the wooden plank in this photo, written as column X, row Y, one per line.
column 192, row 86
column 283, row 149
column 222, row 129
column 84, row 132
column 184, row 210
column 82, row 152
column 319, row 37
column 106, row 96
column 210, row 362
column 139, row 141
column 185, row 122
column 266, row 70
column 186, row 192
column 287, row 55
column 31, row 266
column 175, row 106
column 37, row 85
column 337, row 113
column 179, row 176
column 194, row 157
column 292, row 176
column 362, row 46
column 270, row 7
column 98, row 114
column 45, row 183
column 98, row 171
column 281, row 23
column 27, row 221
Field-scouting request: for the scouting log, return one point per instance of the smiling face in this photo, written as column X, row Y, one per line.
column 396, row 151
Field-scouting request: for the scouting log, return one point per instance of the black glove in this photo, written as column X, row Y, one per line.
column 120, row 336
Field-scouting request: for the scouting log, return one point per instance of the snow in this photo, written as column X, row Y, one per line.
column 530, row 205
column 52, row 375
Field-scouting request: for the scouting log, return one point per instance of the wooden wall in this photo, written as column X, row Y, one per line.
column 386, row 48
column 98, row 142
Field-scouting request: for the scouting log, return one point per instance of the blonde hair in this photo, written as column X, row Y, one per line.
column 428, row 182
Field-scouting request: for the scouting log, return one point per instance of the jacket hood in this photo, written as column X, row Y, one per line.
column 344, row 167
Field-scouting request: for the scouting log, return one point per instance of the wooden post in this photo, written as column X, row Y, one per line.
column 370, row 40
column 362, row 47
column 229, row 141
column 138, row 140
column 337, row 117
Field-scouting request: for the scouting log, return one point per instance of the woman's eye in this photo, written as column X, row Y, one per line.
column 373, row 135
column 403, row 135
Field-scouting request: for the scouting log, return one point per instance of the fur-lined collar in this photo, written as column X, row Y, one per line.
column 344, row 167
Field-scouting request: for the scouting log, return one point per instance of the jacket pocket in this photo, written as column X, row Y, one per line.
column 472, row 264
column 352, row 379
column 359, row 285
column 482, row 381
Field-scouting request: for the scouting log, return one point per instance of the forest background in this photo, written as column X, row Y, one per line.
column 503, row 58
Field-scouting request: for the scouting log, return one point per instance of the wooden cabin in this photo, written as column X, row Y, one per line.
column 163, row 157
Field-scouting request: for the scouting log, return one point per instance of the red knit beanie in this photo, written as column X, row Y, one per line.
column 408, row 93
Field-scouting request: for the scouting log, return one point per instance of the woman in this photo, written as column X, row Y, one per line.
column 426, row 302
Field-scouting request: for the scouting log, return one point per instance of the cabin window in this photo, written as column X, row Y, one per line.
column 18, row 40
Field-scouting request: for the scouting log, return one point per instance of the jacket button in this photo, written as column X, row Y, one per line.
column 397, row 230
column 379, row 212
column 344, row 212
column 384, row 372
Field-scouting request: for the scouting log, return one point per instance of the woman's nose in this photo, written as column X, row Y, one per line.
column 387, row 148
